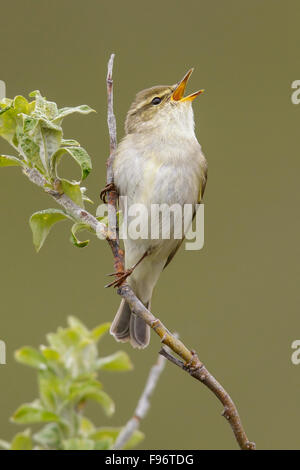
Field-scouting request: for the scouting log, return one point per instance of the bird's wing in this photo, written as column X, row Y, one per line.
column 200, row 198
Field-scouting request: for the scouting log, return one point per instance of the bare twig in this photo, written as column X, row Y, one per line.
column 112, row 196
column 111, row 120
column 191, row 362
column 143, row 404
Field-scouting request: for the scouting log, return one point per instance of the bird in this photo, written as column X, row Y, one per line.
column 159, row 161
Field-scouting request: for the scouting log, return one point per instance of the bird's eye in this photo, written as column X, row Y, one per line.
column 156, row 100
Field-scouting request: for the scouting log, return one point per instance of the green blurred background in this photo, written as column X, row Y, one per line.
column 236, row 301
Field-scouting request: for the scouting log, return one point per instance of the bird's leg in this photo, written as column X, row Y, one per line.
column 108, row 187
column 123, row 275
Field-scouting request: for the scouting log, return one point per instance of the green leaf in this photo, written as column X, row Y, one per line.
column 31, row 106
column 5, row 108
column 75, row 323
column 31, row 357
column 48, row 386
column 8, row 123
column 92, row 390
column 72, row 190
column 32, row 151
column 11, row 119
column 34, row 93
column 104, row 444
column 41, row 223
column 48, row 140
column 64, row 339
column 104, row 400
column 76, row 228
column 20, row 105
column 53, row 388
column 112, row 433
column 135, row 439
column 51, row 139
column 44, row 108
column 50, row 109
column 78, row 444
column 71, row 337
column 86, row 426
column 22, row 441
column 7, row 160
column 50, row 354
column 70, row 143
column 29, row 124
column 31, row 413
column 99, row 331
column 49, row 436
column 56, row 343
column 118, row 361
column 83, row 159
column 105, row 433
column 80, row 156
column 82, row 109
column 82, row 390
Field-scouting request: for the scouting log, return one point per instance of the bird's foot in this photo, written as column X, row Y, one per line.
column 121, row 277
column 107, row 188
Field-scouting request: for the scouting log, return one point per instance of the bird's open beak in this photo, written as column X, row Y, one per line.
column 178, row 93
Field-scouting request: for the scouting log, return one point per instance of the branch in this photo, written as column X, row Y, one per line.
column 112, row 196
column 191, row 362
column 111, row 120
column 71, row 208
column 199, row 372
column 143, row 404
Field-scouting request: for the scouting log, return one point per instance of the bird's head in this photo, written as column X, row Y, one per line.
column 162, row 108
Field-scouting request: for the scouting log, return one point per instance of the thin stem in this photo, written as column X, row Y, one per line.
column 143, row 404
column 112, row 197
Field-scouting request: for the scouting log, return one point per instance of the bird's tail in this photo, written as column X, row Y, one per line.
column 129, row 327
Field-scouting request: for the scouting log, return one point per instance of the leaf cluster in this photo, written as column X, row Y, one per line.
column 34, row 130
column 67, row 372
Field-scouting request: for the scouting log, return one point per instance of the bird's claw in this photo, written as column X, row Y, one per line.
column 108, row 187
column 121, row 277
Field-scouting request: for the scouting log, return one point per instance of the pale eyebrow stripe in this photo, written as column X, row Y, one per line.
column 150, row 98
